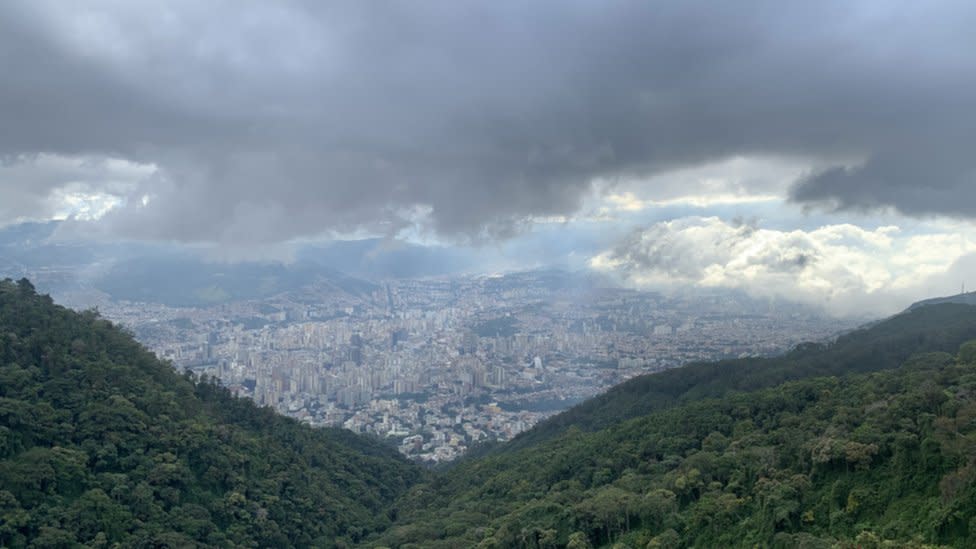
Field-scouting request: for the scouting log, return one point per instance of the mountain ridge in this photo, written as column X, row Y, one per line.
column 965, row 298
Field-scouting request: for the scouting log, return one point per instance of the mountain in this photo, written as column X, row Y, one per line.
column 181, row 279
column 174, row 275
column 103, row 444
column 866, row 442
column 965, row 298
column 879, row 346
column 378, row 258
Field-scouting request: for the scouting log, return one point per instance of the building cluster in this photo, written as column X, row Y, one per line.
column 442, row 364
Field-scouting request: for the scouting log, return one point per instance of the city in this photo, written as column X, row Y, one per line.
column 438, row 365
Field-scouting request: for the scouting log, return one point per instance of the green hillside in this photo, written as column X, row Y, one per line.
column 880, row 346
column 102, row 444
column 727, row 455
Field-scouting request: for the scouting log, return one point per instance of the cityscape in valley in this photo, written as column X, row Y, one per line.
column 438, row 365
column 487, row 274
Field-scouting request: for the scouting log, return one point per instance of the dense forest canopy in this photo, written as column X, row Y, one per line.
column 869, row 441
column 101, row 443
column 873, row 444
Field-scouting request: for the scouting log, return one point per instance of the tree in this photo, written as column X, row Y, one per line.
column 668, row 539
column 578, row 540
column 967, row 352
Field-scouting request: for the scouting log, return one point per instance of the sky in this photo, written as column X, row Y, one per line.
column 819, row 151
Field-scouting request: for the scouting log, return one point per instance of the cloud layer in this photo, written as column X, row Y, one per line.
column 265, row 122
column 848, row 269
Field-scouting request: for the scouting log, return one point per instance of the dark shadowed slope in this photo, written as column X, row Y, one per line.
column 100, row 443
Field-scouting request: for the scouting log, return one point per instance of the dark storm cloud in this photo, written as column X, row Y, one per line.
column 936, row 177
column 269, row 121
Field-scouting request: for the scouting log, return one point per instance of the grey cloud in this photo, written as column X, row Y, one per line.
column 682, row 251
column 916, row 179
column 274, row 121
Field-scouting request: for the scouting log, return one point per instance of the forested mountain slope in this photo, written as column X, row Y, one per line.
column 885, row 459
column 847, row 457
column 880, row 346
column 100, row 443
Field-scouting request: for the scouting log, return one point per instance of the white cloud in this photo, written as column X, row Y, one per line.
column 50, row 186
column 82, row 205
column 843, row 267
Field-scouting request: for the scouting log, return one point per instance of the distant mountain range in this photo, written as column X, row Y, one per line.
column 185, row 276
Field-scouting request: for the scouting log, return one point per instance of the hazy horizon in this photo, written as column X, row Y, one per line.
column 817, row 152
